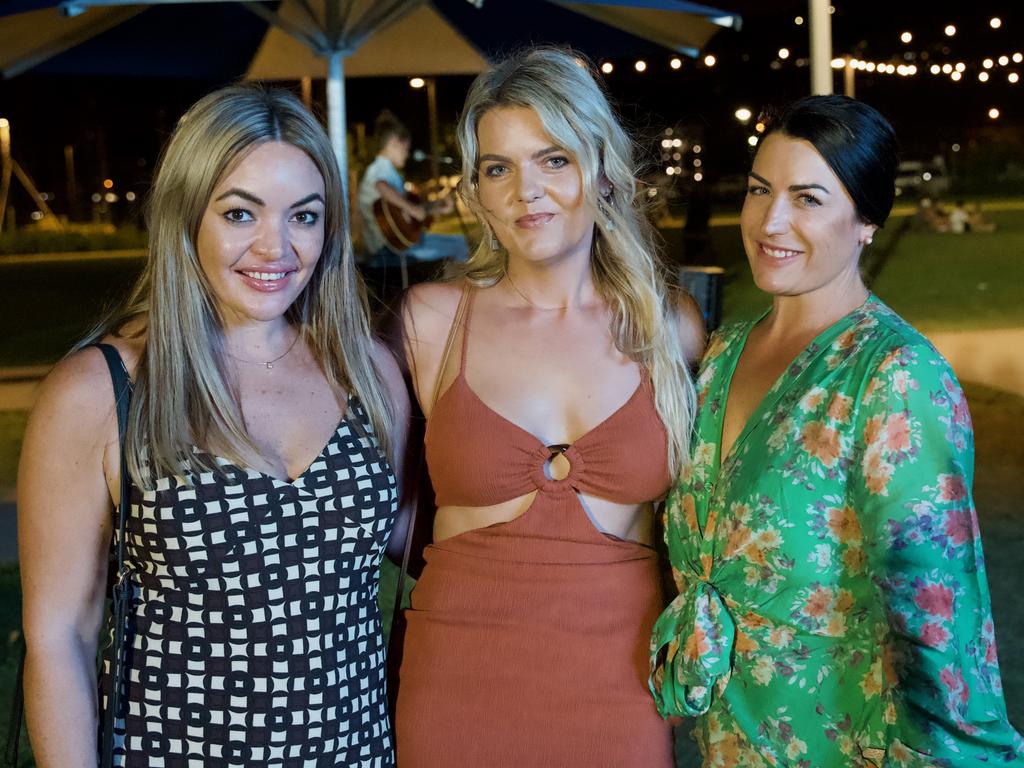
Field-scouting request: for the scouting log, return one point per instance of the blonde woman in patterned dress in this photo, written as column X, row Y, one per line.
column 263, row 425
column 833, row 608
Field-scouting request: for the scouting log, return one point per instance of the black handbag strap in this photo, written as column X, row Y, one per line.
column 17, row 710
column 121, row 590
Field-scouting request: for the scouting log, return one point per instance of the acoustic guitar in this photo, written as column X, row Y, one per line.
column 400, row 230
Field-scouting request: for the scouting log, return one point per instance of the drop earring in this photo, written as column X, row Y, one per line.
column 603, row 207
column 494, row 242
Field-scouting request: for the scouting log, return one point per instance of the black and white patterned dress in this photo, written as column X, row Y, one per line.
column 255, row 636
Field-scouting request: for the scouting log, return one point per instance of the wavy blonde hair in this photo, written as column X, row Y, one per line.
column 183, row 394
column 560, row 86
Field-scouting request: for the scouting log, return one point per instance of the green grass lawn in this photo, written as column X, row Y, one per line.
column 12, row 427
column 959, row 282
column 48, row 307
column 936, row 281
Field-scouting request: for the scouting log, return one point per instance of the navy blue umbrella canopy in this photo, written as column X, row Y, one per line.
column 600, row 29
column 218, row 40
column 291, row 39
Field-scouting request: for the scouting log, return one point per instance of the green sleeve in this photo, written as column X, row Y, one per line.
column 911, row 486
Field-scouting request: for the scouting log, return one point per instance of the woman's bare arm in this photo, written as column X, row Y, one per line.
column 64, row 531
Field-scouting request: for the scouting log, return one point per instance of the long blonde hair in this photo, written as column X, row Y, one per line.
column 560, row 87
column 183, row 394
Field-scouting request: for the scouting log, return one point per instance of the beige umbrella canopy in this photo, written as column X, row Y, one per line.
column 421, row 42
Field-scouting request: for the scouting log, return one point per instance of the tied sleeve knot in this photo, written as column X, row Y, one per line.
column 691, row 650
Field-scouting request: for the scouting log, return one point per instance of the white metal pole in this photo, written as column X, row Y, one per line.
column 336, row 113
column 821, row 46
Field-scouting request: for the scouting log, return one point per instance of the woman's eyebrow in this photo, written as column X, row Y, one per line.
column 792, row 187
column 235, row 191
column 535, row 156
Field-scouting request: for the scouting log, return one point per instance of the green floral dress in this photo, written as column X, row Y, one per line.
column 833, row 607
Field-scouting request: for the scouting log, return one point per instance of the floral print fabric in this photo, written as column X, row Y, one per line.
column 833, row 609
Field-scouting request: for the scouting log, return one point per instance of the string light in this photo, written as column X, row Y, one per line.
column 906, row 37
column 676, row 63
column 640, row 66
column 752, row 141
column 1004, row 60
column 607, row 67
column 783, row 53
column 956, row 77
column 947, row 68
column 1013, row 77
column 417, row 82
column 799, row 20
column 993, row 113
column 960, row 66
column 710, row 61
column 983, row 77
column 995, row 22
column 698, row 176
column 950, row 30
column 935, row 69
column 743, row 114
column 838, row 63
column 1018, row 58
column 988, row 63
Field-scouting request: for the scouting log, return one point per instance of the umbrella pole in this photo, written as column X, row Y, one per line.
column 821, row 47
column 336, row 114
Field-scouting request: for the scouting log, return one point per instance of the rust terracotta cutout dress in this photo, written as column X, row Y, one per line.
column 527, row 640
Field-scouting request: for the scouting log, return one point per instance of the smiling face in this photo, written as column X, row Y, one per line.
column 262, row 233
column 801, row 231
column 531, row 189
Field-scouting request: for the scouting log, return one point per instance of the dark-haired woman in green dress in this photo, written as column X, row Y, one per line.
column 833, row 608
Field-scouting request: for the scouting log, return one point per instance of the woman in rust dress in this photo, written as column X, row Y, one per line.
column 554, row 378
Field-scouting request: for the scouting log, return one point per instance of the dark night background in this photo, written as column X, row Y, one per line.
column 117, row 123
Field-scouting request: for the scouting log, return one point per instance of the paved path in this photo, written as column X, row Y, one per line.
column 994, row 358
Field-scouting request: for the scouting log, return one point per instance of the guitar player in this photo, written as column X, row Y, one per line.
column 383, row 179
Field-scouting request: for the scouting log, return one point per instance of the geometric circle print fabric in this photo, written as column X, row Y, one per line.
column 254, row 637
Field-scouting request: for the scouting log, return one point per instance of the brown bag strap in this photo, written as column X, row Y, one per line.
column 414, row 481
column 417, row 474
column 457, row 322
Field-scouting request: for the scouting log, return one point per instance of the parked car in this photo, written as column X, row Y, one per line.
column 915, row 178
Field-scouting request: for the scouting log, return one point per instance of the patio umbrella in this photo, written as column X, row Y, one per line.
column 335, row 38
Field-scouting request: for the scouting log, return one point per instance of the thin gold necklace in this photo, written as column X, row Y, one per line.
column 269, row 364
column 527, row 298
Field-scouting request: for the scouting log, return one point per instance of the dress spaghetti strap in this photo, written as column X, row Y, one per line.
column 469, row 294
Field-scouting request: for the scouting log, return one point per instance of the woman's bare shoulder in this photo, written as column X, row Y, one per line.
column 689, row 321
column 429, row 309
column 76, row 400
